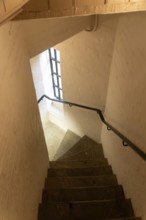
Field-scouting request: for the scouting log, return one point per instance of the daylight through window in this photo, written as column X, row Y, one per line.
column 56, row 72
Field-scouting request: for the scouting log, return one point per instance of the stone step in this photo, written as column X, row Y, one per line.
column 80, row 163
column 69, row 140
column 42, row 216
column 89, row 210
column 81, row 181
column 84, row 193
column 84, row 171
column 85, row 148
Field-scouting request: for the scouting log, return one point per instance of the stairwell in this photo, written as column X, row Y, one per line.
column 81, row 185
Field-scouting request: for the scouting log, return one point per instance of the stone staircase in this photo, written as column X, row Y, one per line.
column 81, row 186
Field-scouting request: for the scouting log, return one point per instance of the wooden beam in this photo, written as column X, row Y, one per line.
column 63, row 8
column 9, row 9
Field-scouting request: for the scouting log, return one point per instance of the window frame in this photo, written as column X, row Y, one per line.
column 57, row 88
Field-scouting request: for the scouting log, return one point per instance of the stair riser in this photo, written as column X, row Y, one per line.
column 74, row 164
column 82, row 194
column 106, row 180
column 80, row 156
column 104, row 210
column 93, row 171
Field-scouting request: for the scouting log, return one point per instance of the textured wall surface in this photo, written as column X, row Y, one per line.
column 10, row 8
column 45, row 33
column 40, row 67
column 61, row 8
column 36, row 5
column 23, row 153
column 126, row 106
column 85, row 66
column 79, row 7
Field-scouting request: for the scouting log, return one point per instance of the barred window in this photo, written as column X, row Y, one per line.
column 56, row 72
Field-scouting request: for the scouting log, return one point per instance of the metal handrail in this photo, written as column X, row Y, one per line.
column 126, row 141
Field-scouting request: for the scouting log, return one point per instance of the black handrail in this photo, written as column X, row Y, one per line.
column 126, row 141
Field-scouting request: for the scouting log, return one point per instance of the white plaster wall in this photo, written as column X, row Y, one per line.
column 41, row 34
column 23, row 152
column 85, row 66
column 41, row 72
column 40, row 66
column 126, row 107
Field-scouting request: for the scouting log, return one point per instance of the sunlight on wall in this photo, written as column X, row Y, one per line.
column 42, row 77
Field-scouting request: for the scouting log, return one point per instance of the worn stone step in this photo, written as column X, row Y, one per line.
column 84, row 171
column 84, row 193
column 69, row 140
column 129, row 218
column 79, row 163
column 89, row 210
column 85, row 148
column 81, row 181
column 42, row 216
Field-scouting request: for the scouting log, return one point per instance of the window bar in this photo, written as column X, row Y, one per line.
column 57, row 74
column 56, row 86
column 51, row 64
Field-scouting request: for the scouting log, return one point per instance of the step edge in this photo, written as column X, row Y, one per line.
column 90, row 187
column 92, row 201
